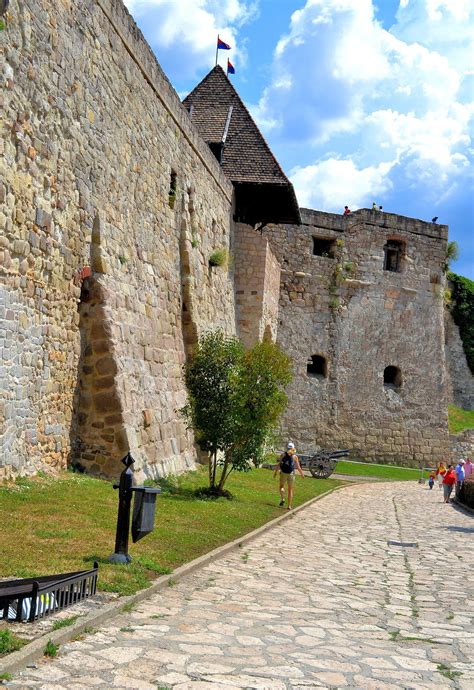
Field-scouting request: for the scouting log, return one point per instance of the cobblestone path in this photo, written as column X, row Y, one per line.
column 320, row 601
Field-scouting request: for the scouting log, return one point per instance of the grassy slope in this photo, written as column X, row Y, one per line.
column 460, row 419
column 59, row 525
column 383, row 471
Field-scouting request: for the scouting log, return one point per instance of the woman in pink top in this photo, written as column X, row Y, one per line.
column 468, row 468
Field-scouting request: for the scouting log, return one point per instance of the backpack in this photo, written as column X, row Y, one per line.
column 287, row 464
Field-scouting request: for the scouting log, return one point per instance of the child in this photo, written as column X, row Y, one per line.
column 431, row 481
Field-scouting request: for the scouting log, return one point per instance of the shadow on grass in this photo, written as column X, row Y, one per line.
column 170, row 486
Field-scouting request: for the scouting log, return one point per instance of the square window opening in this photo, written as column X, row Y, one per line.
column 393, row 254
column 317, row 367
column 324, row 247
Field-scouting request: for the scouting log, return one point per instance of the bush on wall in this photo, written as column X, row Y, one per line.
column 467, row 494
column 462, row 310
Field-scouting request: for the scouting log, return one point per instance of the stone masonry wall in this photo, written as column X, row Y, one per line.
column 102, row 270
column 345, row 307
column 460, row 378
column 462, row 445
column 257, row 286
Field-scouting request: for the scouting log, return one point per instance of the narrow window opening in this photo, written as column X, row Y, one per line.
column 393, row 253
column 217, row 148
column 317, row 366
column 323, row 247
column 392, row 377
column 173, row 189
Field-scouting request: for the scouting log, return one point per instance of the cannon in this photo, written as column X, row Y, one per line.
column 323, row 463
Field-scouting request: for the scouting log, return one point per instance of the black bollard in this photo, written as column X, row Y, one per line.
column 121, row 554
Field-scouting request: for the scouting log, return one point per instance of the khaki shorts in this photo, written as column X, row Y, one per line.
column 287, row 478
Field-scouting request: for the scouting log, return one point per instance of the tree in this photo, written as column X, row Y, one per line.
column 452, row 253
column 235, row 400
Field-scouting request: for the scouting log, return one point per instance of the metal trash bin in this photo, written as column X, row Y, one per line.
column 143, row 511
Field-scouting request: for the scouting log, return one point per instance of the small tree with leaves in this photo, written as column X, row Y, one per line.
column 452, row 253
column 235, row 400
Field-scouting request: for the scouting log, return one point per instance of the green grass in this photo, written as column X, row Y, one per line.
column 382, row 471
column 51, row 649
column 459, row 419
column 64, row 622
column 9, row 642
column 6, row 676
column 86, row 510
column 447, row 672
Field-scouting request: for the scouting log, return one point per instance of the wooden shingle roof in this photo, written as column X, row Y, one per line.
column 218, row 112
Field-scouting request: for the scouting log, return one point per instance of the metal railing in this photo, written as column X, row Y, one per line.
column 36, row 597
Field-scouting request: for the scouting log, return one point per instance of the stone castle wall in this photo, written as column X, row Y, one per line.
column 257, row 286
column 112, row 206
column 105, row 277
column 344, row 307
column 462, row 445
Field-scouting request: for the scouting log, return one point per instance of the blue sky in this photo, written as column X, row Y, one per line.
column 360, row 100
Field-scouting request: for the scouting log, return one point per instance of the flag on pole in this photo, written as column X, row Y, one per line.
column 230, row 67
column 221, row 45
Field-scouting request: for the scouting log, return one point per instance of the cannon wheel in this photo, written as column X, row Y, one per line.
column 322, row 465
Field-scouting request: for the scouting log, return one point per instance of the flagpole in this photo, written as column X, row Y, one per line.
column 217, row 49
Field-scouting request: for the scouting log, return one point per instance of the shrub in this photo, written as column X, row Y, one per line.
column 467, row 493
column 462, row 310
column 219, row 257
column 235, row 399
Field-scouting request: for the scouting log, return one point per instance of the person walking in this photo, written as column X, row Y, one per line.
column 468, row 468
column 440, row 472
column 460, row 477
column 287, row 465
column 449, row 481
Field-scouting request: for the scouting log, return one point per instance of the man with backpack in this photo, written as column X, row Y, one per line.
column 288, row 464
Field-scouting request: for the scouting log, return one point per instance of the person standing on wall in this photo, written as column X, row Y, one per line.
column 288, row 464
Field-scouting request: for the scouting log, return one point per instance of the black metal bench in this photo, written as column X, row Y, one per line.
column 35, row 597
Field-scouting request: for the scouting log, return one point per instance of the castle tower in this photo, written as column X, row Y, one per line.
column 262, row 194
column 361, row 314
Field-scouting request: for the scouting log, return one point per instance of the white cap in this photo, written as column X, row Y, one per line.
column 290, row 446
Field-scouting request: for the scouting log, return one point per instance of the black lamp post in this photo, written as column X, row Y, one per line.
column 143, row 513
column 121, row 554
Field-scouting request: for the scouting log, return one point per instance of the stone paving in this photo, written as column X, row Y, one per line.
column 322, row 600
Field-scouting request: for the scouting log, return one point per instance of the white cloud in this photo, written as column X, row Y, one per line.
column 186, row 30
column 333, row 183
column 386, row 101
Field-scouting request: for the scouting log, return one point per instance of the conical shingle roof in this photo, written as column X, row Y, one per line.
column 219, row 113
